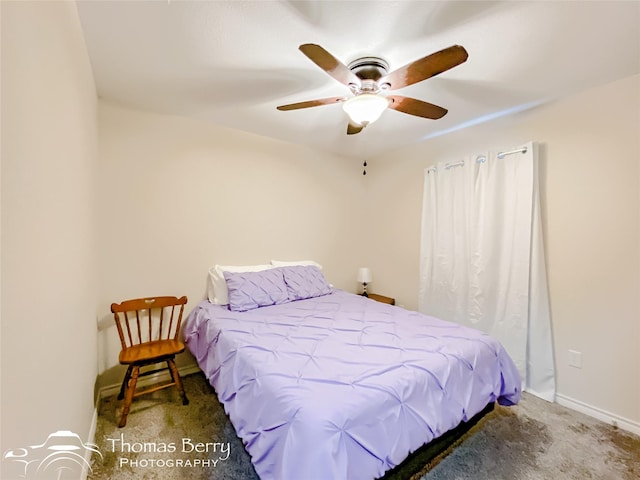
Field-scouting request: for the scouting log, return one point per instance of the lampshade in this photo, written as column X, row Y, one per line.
column 364, row 275
column 365, row 108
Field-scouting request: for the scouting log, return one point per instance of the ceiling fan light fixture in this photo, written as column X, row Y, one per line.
column 365, row 108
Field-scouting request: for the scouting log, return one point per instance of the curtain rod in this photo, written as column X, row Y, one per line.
column 456, row 164
column 479, row 159
column 520, row 150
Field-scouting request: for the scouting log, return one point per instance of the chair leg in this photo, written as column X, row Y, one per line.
column 130, row 390
column 176, row 378
column 125, row 382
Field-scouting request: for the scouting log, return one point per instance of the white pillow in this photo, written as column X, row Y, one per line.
column 217, row 291
column 281, row 263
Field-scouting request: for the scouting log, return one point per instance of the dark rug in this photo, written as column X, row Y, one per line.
column 534, row 440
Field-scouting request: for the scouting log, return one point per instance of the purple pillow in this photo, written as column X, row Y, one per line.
column 249, row 290
column 305, row 282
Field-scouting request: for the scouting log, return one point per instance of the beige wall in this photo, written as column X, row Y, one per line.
column 178, row 196
column 590, row 174
column 49, row 156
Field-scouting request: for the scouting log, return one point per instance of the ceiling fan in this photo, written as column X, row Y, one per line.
column 368, row 79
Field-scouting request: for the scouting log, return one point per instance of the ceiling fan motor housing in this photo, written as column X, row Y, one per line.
column 369, row 70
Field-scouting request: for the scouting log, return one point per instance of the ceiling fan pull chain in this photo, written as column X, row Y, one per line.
column 364, row 172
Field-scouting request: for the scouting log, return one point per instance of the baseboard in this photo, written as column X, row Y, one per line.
column 91, row 438
column 602, row 415
column 108, row 390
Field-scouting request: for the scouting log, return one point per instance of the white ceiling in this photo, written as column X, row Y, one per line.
column 232, row 62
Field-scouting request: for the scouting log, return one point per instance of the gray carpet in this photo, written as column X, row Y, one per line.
column 534, row 440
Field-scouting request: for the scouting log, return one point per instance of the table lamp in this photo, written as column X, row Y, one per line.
column 364, row 277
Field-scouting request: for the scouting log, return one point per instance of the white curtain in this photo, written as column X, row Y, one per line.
column 482, row 257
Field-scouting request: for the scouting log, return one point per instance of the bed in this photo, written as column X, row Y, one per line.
column 324, row 384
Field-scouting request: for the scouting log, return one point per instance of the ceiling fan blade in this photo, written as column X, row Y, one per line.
column 329, row 64
column 426, row 67
column 311, row 103
column 352, row 129
column 416, row 107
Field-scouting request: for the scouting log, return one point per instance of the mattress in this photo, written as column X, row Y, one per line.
column 342, row 387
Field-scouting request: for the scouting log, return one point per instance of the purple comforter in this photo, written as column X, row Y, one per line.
column 343, row 387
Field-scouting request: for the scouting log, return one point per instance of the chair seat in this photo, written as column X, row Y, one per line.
column 151, row 351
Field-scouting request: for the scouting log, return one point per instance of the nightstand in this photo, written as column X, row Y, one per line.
column 382, row 298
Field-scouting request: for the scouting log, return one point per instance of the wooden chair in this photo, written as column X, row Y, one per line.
column 148, row 329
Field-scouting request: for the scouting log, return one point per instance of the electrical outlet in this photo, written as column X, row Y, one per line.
column 575, row 358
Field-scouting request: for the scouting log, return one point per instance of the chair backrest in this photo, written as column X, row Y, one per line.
column 143, row 320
